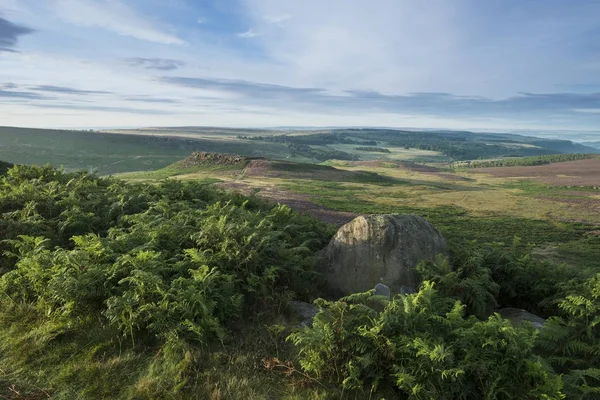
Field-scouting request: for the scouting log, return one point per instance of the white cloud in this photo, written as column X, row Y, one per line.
column 277, row 19
column 250, row 33
column 587, row 110
column 114, row 16
column 403, row 46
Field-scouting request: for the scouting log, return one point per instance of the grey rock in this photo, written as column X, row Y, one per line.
column 383, row 290
column 383, row 249
column 518, row 316
column 305, row 310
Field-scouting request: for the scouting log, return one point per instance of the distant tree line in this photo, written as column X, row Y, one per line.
column 525, row 161
column 373, row 149
column 456, row 145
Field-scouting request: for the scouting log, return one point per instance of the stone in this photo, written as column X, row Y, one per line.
column 384, row 249
column 383, row 290
column 518, row 316
column 306, row 311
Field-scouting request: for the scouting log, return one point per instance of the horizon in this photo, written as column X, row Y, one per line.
column 576, row 136
column 479, row 66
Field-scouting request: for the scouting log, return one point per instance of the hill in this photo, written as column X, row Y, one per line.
column 150, row 149
column 178, row 289
column 454, row 145
column 107, row 153
column 595, row 145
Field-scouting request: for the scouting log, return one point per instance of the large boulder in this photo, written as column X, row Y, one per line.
column 385, row 249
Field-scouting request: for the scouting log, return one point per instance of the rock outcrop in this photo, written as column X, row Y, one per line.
column 203, row 158
column 383, row 249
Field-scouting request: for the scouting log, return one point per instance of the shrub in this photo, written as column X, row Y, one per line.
column 421, row 346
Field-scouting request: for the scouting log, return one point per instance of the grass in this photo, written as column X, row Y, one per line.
column 174, row 170
column 90, row 364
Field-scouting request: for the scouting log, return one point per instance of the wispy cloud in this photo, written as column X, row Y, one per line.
column 351, row 101
column 149, row 99
column 65, row 90
column 250, row 33
column 128, row 110
column 115, row 16
column 277, row 19
column 161, row 64
column 10, row 94
column 588, row 110
column 9, row 34
column 245, row 88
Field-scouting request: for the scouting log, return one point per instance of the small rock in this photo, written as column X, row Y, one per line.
column 517, row 316
column 305, row 310
column 383, row 290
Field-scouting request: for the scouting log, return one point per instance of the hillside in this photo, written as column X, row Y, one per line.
column 178, row 289
column 154, row 148
column 107, row 153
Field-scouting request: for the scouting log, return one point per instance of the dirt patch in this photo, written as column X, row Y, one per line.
column 580, row 173
column 298, row 202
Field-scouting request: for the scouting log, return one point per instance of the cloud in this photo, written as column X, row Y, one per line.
column 485, row 48
column 9, row 35
column 148, row 99
column 241, row 87
column 114, row 16
column 9, row 85
column 420, row 103
column 277, row 19
column 66, row 90
column 588, row 110
column 21, row 95
column 161, row 64
column 129, row 110
column 250, row 33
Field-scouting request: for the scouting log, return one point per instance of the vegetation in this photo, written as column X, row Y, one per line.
column 4, row 166
column 176, row 289
column 123, row 151
column 456, row 145
column 111, row 153
column 373, row 149
column 136, row 270
column 421, row 346
column 526, row 161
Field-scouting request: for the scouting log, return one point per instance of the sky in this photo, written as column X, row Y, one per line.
column 459, row 64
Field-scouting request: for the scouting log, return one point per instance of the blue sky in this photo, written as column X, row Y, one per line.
column 505, row 64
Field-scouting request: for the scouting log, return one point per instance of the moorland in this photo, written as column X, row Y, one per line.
column 160, row 263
